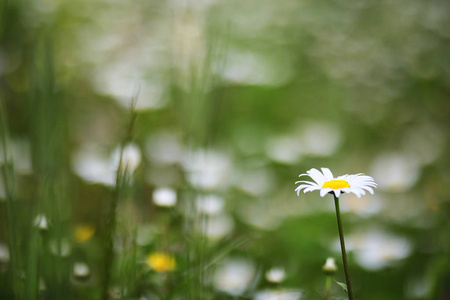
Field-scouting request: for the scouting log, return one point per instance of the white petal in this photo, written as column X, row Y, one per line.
column 357, row 194
column 317, row 176
column 369, row 189
column 362, row 184
column 300, row 187
column 364, row 178
column 337, row 193
column 343, row 177
column 357, row 191
column 303, row 181
column 361, row 181
column 346, row 190
column 312, row 188
column 351, row 179
column 323, row 192
column 327, row 173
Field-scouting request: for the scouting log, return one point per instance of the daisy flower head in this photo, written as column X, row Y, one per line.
column 326, row 183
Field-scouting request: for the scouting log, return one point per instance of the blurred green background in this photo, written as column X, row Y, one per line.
column 208, row 110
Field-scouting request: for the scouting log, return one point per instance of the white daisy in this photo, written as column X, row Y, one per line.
column 326, row 183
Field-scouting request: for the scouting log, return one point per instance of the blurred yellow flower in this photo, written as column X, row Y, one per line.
column 84, row 232
column 161, row 262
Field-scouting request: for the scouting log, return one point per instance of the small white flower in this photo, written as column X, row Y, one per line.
column 90, row 164
column 326, row 183
column 275, row 275
column 330, row 266
column 210, row 204
column 234, row 276
column 376, row 249
column 4, row 253
column 278, row 294
column 164, row 197
column 131, row 158
column 397, row 172
column 41, row 222
column 81, row 270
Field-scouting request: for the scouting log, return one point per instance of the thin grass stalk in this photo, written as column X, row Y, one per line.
column 7, row 170
column 344, row 253
column 111, row 218
column 328, row 280
column 49, row 134
column 32, row 269
column 199, row 116
column 132, row 262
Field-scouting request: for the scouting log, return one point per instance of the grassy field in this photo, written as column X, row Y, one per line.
column 150, row 149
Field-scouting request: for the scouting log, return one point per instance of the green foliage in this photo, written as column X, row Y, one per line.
column 342, row 285
column 230, row 101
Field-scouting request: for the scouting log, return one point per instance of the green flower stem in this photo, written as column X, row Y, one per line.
column 328, row 286
column 344, row 253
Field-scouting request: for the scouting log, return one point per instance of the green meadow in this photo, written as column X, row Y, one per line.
column 149, row 149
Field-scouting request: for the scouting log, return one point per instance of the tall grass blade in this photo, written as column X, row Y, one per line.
column 50, row 155
column 111, row 219
column 7, row 174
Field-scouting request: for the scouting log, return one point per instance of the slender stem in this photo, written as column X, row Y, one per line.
column 344, row 253
column 327, row 287
column 7, row 174
column 111, row 219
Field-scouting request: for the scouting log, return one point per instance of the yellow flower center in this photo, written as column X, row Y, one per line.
column 336, row 184
column 161, row 262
